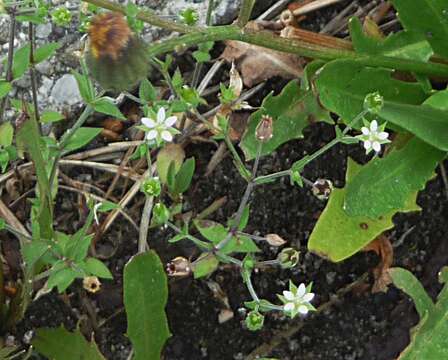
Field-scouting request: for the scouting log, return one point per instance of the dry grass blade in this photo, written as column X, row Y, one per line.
column 11, row 219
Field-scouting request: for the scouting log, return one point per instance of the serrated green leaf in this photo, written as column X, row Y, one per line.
column 384, row 185
column 292, row 110
column 60, row 344
column 45, row 51
column 145, row 297
column 97, row 268
column 337, row 236
column 21, row 61
column 206, row 264
column 51, row 116
column 343, row 85
column 6, row 134
column 404, row 44
column 106, row 106
column 427, row 17
column 184, row 176
column 5, row 88
column 82, row 137
column 428, row 338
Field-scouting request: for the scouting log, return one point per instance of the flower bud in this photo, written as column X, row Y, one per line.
column 373, row 102
column 91, row 284
column 152, row 187
column 288, row 258
column 264, row 129
column 296, row 178
column 322, row 189
column 178, row 267
column 254, row 321
column 161, row 213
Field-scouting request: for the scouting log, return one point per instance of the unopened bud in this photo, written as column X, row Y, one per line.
column 254, row 321
column 322, row 189
column 373, row 102
column 152, row 187
column 161, row 213
column 178, row 267
column 288, row 258
column 264, row 130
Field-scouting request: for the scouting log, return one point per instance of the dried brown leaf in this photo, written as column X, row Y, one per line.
column 274, row 240
column 383, row 248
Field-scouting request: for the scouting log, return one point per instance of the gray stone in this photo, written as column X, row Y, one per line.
column 43, row 31
column 65, row 91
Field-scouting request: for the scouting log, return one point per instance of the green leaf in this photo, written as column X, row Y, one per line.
column 21, row 61
column 85, row 87
column 428, row 338
column 2, row 223
column 147, row 92
column 343, row 85
column 82, row 137
column 170, row 153
column 45, row 51
column 33, row 251
column 404, row 44
column 62, row 279
column 107, row 107
column 384, row 185
column 205, row 264
column 6, row 134
column 145, row 297
column 337, row 236
column 60, row 344
column 5, row 88
column 184, row 176
column 51, row 117
column 427, row 17
column 292, row 110
column 107, row 206
column 97, row 268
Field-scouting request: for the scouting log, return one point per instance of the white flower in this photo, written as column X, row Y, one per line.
column 160, row 129
column 297, row 299
column 373, row 136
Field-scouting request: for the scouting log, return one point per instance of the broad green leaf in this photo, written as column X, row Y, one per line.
column 21, row 61
column 337, row 236
column 427, row 17
column 85, row 87
column 384, row 185
column 60, row 344
column 147, row 92
column 51, row 116
column 107, row 107
column 62, row 279
column 82, row 137
column 5, row 88
column 206, row 264
column 343, row 85
column 428, row 338
column 145, row 297
column 170, row 153
column 6, row 134
column 184, row 176
column 438, row 100
column 45, row 51
column 96, row 267
column 404, row 44
column 33, row 251
column 292, row 111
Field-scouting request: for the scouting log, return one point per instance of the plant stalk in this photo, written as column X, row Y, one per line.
column 245, row 12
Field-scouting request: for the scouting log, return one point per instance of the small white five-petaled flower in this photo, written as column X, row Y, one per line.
column 297, row 299
column 160, row 129
column 373, row 136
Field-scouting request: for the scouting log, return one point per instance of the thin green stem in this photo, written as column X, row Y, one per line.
column 248, row 281
column 33, row 73
column 245, row 12
column 236, row 157
column 9, row 75
column 146, row 213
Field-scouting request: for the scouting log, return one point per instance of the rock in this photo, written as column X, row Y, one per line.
column 43, row 31
column 65, row 91
column 226, row 12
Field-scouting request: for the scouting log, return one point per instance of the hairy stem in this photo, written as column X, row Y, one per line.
column 8, row 77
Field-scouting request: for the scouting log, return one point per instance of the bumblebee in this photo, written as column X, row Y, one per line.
column 116, row 57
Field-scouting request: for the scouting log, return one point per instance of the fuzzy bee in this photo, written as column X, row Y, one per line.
column 116, row 57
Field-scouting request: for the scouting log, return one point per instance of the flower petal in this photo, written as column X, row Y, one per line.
column 170, row 121
column 289, row 306
column 383, row 135
column 151, row 135
column 166, row 135
column 288, row 295
column 161, row 115
column 376, row 146
column 367, row 144
column 374, row 126
column 365, row 131
column 301, row 290
column 150, row 123
column 303, row 309
column 308, row 297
